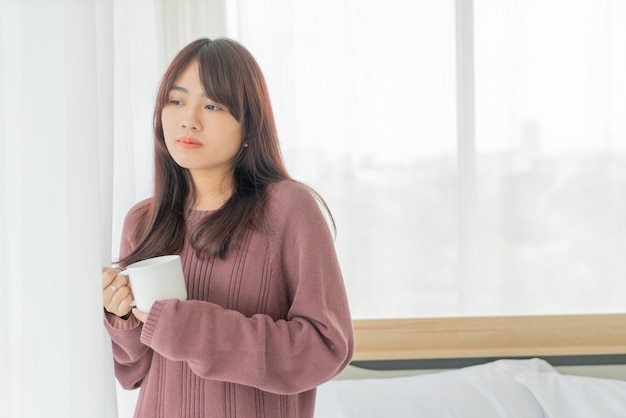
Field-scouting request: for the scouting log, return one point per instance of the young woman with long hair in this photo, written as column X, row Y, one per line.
column 267, row 318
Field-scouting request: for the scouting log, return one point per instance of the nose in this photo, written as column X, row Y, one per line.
column 191, row 121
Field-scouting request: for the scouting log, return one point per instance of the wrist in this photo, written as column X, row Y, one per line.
column 125, row 317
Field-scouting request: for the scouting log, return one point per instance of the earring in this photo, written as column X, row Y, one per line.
column 245, row 144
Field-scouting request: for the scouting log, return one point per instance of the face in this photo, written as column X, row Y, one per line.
column 200, row 134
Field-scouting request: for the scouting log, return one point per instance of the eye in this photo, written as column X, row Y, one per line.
column 175, row 102
column 212, row 107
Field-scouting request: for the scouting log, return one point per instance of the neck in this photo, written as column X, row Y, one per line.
column 211, row 191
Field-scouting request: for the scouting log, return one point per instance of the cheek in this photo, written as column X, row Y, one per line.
column 232, row 131
column 168, row 134
column 167, row 125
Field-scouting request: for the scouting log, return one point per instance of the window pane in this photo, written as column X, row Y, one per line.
column 551, row 156
column 364, row 98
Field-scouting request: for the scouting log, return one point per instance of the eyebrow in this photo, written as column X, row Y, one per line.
column 184, row 90
column 179, row 88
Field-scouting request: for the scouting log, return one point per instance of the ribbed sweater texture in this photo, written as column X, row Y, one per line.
column 261, row 328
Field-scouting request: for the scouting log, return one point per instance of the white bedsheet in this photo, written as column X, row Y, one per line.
column 501, row 389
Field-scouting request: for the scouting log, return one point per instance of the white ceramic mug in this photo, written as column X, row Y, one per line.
column 155, row 279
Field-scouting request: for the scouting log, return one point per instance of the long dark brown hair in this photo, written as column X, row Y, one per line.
column 231, row 76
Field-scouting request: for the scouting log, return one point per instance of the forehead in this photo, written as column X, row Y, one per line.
column 188, row 78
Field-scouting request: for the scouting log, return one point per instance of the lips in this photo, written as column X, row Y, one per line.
column 188, row 142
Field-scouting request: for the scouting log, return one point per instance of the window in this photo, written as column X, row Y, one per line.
column 525, row 217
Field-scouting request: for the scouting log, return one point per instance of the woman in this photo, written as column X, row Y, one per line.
column 267, row 318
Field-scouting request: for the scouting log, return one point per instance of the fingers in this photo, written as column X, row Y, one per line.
column 140, row 315
column 112, row 281
column 116, row 292
column 108, row 275
column 120, row 300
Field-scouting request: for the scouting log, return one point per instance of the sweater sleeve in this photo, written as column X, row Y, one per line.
column 310, row 346
column 131, row 357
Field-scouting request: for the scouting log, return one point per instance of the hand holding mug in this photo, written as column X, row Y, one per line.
column 152, row 279
column 116, row 293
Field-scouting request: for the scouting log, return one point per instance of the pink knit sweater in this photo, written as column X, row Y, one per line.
column 261, row 329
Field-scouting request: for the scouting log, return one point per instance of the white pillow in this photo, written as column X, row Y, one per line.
column 569, row 396
column 484, row 391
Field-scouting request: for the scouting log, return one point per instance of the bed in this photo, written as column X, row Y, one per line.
column 560, row 366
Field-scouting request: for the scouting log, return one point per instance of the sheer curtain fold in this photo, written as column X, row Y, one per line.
column 56, row 112
column 65, row 152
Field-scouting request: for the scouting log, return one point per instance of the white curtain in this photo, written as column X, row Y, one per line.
column 78, row 81
column 55, row 145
